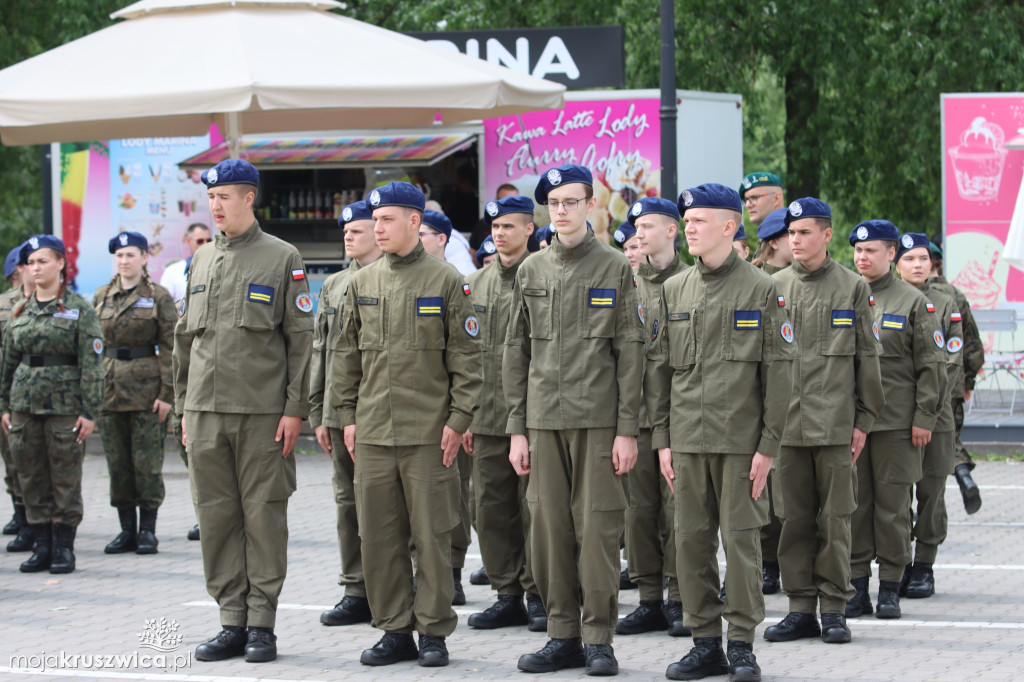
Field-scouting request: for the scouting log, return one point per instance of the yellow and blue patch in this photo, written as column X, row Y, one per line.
column 746, row 319
column 261, row 294
column 431, row 306
column 842, row 318
column 602, row 298
column 894, row 321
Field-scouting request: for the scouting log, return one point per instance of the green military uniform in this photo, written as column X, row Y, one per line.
column 837, row 388
column 8, row 300
column 407, row 366
column 912, row 364
column 719, row 396
column 502, row 517
column 52, row 375
column 241, row 362
column 138, row 326
column 572, row 373
column 650, row 534
column 329, row 318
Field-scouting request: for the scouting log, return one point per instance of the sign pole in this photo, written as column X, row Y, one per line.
column 669, row 167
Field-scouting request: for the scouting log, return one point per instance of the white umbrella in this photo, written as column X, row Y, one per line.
column 177, row 66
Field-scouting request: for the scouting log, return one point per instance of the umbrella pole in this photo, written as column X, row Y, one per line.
column 234, row 134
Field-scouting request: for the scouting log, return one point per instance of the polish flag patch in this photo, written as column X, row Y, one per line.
column 782, row 301
column 298, row 274
column 465, row 289
column 956, row 317
column 929, row 307
column 871, row 300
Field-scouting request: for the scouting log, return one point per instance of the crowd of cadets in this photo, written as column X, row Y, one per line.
column 565, row 399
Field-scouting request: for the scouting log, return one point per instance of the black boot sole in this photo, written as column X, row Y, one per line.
column 573, row 662
column 390, row 660
column 697, row 674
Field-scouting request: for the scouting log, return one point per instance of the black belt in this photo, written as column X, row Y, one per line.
column 130, row 353
column 49, row 360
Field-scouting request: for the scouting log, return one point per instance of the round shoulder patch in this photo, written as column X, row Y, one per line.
column 654, row 331
column 874, row 330
column 939, row 339
column 795, row 209
column 954, row 344
column 640, row 312
column 181, row 308
column 787, row 332
column 97, row 346
column 304, row 302
column 472, row 325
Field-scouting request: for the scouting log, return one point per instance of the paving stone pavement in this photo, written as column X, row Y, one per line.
column 973, row 629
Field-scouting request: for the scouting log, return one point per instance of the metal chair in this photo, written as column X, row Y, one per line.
column 1004, row 358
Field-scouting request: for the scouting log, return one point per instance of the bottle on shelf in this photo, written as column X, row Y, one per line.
column 337, row 205
column 293, row 208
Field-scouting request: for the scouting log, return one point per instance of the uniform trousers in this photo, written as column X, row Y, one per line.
column 48, row 458
column 819, row 491
column 650, row 527
column 351, row 575
column 10, row 470
column 576, row 506
column 713, row 491
column 961, row 456
column 932, row 522
column 771, row 533
column 134, row 445
column 405, row 496
column 240, row 488
column 462, row 534
column 887, row 469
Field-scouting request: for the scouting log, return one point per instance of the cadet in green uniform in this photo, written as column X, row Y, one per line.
column 406, row 382
column 914, row 264
column 356, row 222
column 718, row 401
column 502, row 517
column 912, row 364
column 241, row 378
column 773, row 253
column 51, row 390
column 973, row 358
column 137, row 317
column 572, row 373
column 650, row 537
column 739, row 243
column 837, row 394
column 625, row 238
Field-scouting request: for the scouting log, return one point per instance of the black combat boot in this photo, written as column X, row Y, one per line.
column 459, row 598
column 647, row 617
column 42, row 549
column 228, row 643
column 392, row 648
column 147, row 532
column 349, row 611
column 556, row 655
column 508, row 610
column 538, row 617
column 600, row 660
column 834, row 629
column 261, row 645
column 127, row 540
column 770, row 577
column 922, row 582
column 968, row 488
column 433, row 652
column 674, row 617
column 860, row 605
column 793, row 627
column 888, row 600
column 704, row 659
column 24, row 539
column 624, row 582
column 743, row 665
column 16, row 521
column 193, row 532
column 905, row 580
column 479, row 577
column 63, row 548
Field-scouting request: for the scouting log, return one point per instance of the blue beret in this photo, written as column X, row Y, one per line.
column 808, row 207
column 773, row 225
column 710, row 195
column 874, row 230
column 397, row 193
column 439, row 221
column 544, row 233
column 910, row 241
column 652, row 205
column 759, row 179
column 355, row 211
column 623, row 234
column 740, row 234
column 231, row 172
column 128, row 239
column 515, row 203
column 12, row 261
column 487, row 248
column 40, row 241
column 563, row 175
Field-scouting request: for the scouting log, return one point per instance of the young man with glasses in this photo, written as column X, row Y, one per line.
column 761, row 193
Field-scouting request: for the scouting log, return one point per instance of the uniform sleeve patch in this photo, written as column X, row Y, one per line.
column 782, row 301
column 298, row 274
column 181, row 308
column 466, row 290
column 678, row 317
column 894, row 321
column 97, row 346
column 602, row 298
column 143, row 303
column 640, row 312
column 929, row 307
column 431, row 306
column 304, row 302
column 842, row 318
column 654, row 331
column 746, row 319
column 787, row 332
column 874, row 330
column 472, row 326
column 939, row 339
column 954, row 344
column 67, row 314
column 956, row 317
column 261, row 294
column 365, row 300
column 871, row 300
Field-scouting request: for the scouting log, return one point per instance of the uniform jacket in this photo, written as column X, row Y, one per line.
column 952, row 334
column 574, row 345
column 329, row 316
column 649, row 285
column 8, row 301
column 244, row 339
column 973, row 351
column 724, row 386
column 55, row 390
column 408, row 360
column 836, row 381
column 145, row 317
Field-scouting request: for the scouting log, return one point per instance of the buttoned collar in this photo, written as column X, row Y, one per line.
column 394, row 260
column 805, row 274
column 653, row 274
column 883, row 282
column 564, row 253
column 509, row 273
column 722, row 270
column 248, row 237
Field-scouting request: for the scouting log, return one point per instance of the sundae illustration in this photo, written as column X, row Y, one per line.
column 978, row 283
column 978, row 160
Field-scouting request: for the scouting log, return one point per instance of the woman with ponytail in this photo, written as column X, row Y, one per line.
column 51, row 389
column 137, row 318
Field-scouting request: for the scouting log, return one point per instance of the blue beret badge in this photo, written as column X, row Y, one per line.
column 862, row 233
column 554, row 177
column 375, row 197
column 346, row 214
column 687, row 198
column 787, row 332
column 637, row 208
column 472, row 325
column 907, row 241
column 489, row 247
column 304, row 302
column 492, row 207
column 211, row 176
column 795, row 209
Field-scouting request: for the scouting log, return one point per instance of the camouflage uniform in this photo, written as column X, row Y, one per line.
column 135, row 323
column 8, row 300
column 51, row 375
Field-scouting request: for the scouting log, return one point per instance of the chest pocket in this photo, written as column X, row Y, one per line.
column 428, row 315
column 896, row 335
column 539, row 299
column 838, row 331
column 745, row 325
column 371, row 309
column 197, row 313
column 682, row 338
column 599, row 305
column 259, row 303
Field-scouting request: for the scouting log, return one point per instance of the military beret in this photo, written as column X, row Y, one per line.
column 647, row 205
column 563, row 175
column 397, row 193
column 12, row 261
column 40, row 241
column 808, row 207
column 740, row 234
column 935, row 249
column 231, row 172
column 910, row 241
column 759, row 179
column 773, row 225
column 515, row 203
column 128, row 239
column 710, row 195
column 623, row 233
column 544, row 233
column 438, row 221
column 487, row 248
column 357, row 210
column 874, row 230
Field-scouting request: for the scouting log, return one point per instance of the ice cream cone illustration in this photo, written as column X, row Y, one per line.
column 978, row 160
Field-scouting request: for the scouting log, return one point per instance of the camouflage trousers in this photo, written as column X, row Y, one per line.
column 134, row 444
column 49, row 458
column 10, row 470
